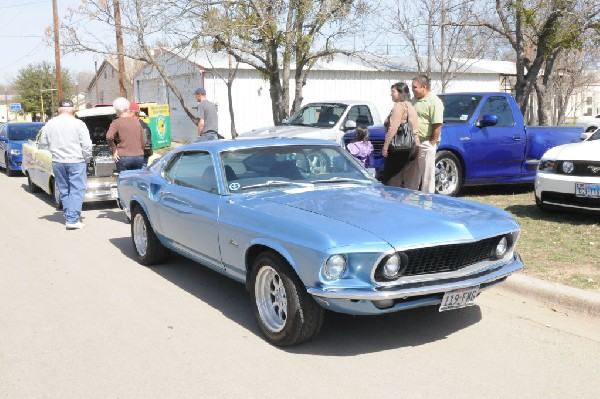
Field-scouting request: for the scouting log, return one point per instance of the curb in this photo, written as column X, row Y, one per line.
column 556, row 294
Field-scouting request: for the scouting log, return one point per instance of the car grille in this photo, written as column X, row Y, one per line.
column 570, row 199
column 586, row 168
column 444, row 258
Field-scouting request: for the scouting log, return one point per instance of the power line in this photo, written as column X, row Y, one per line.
column 24, row 4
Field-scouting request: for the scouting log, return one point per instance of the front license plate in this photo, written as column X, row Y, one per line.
column 587, row 190
column 459, row 298
column 114, row 193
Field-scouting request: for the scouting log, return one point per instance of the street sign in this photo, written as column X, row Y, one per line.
column 14, row 107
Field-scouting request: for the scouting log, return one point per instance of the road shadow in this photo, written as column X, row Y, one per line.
column 342, row 335
column 558, row 215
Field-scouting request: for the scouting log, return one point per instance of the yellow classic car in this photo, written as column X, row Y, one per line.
column 101, row 170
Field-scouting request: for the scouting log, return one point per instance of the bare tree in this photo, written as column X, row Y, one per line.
column 268, row 35
column 538, row 32
column 438, row 36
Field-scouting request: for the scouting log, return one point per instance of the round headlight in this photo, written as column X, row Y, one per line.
column 335, row 267
column 501, row 248
column 392, row 266
column 568, row 167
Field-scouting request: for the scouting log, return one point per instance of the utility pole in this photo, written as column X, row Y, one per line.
column 120, row 57
column 57, row 50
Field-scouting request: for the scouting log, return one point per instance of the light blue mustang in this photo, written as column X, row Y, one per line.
column 306, row 228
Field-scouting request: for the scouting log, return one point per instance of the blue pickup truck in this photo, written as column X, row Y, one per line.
column 484, row 141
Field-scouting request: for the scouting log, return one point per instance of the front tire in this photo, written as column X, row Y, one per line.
column 448, row 173
column 285, row 312
column 8, row 170
column 148, row 249
column 56, row 195
column 31, row 187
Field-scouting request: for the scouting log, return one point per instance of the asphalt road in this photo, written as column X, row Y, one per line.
column 79, row 318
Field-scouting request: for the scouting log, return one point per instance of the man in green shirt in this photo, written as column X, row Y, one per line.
column 430, row 111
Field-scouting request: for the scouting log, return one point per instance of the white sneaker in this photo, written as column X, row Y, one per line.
column 74, row 226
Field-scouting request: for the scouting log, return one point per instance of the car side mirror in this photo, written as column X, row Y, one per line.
column 487, row 120
column 586, row 135
column 2, row 138
column 350, row 124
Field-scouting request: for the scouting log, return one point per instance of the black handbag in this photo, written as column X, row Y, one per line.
column 404, row 140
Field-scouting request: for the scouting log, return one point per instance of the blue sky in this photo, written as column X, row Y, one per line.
column 22, row 38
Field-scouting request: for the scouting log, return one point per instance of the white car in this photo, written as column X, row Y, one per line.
column 327, row 120
column 568, row 176
column 589, row 123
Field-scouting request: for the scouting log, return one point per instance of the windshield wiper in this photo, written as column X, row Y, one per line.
column 270, row 183
column 340, row 180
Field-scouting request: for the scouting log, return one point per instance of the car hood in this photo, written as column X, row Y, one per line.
column 403, row 218
column 282, row 131
column 584, row 151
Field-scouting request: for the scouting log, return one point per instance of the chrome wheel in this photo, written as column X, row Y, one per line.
column 448, row 174
column 56, row 194
column 271, row 298
column 140, row 235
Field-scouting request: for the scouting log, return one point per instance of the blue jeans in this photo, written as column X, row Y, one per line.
column 130, row 163
column 208, row 136
column 71, row 180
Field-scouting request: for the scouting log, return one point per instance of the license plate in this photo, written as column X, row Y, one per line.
column 114, row 193
column 459, row 298
column 587, row 190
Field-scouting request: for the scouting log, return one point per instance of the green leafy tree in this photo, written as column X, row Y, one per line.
column 34, row 86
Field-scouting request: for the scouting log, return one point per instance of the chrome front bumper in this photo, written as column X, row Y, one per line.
column 100, row 189
column 481, row 278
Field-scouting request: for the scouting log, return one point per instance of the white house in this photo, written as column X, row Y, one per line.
column 340, row 78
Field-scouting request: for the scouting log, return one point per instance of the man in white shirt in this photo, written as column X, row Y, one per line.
column 68, row 140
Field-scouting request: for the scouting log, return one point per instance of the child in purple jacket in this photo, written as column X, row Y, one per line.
column 361, row 148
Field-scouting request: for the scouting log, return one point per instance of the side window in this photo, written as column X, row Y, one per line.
column 171, row 168
column 499, row 106
column 361, row 114
column 196, row 170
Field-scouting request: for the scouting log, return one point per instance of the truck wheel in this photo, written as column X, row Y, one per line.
column 148, row 249
column 32, row 188
column 448, row 173
column 56, row 195
column 285, row 312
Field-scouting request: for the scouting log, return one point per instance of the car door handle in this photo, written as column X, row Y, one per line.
column 517, row 138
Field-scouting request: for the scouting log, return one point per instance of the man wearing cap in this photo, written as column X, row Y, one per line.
column 126, row 138
column 208, row 120
column 135, row 109
column 68, row 140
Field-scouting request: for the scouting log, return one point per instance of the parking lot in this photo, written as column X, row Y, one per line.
column 81, row 318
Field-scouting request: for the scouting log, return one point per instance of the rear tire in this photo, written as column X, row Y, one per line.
column 286, row 313
column 148, row 249
column 448, row 173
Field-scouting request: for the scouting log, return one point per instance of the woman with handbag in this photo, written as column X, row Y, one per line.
column 396, row 158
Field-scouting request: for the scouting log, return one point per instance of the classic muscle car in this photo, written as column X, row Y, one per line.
column 307, row 229
column 101, row 170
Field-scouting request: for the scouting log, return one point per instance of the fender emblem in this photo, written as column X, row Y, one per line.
column 594, row 169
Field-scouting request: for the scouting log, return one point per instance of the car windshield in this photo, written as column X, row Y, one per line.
column 24, row 132
column 595, row 136
column 277, row 167
column 317, row 115
column 458, row 108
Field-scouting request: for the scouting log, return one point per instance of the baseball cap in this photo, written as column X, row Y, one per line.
column 65, row 103
column 200, row 91
column 134, row 106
